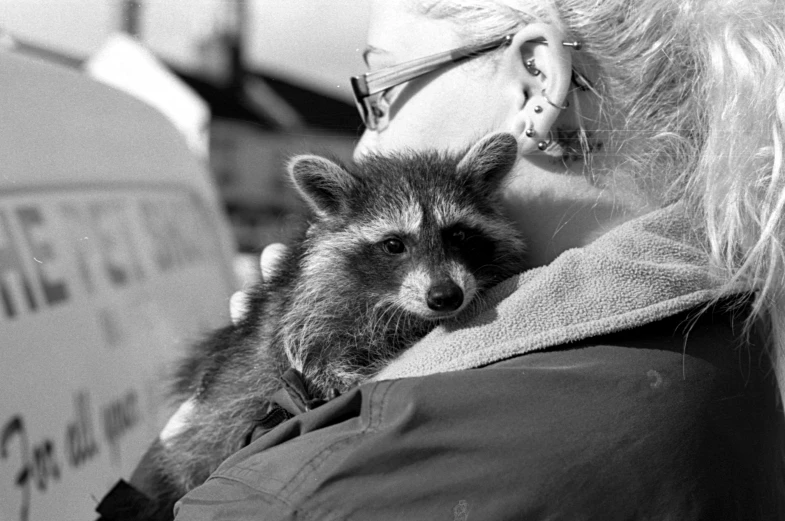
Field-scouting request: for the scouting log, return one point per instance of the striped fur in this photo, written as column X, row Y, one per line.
column 341, row 306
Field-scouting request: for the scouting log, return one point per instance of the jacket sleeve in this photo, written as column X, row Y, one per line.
column 614, row 430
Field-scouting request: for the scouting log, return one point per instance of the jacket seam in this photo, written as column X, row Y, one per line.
column 270, row 497
column 331, row 515
column 375, row 411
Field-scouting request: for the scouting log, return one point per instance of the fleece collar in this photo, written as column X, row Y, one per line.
column 642, row 271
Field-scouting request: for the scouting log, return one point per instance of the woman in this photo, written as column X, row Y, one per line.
column 625, row 376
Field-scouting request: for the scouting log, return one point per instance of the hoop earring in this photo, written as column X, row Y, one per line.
column 552, row 104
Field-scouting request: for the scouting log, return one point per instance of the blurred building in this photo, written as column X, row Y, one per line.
column 258, row 122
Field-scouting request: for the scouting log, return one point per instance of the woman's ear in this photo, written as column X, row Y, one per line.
column 542, row 67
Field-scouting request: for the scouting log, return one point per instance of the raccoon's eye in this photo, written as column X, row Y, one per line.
column 459, row 236
column 393, row 246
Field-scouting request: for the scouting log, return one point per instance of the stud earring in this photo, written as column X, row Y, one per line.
column 529, row 64
column 530, row 132
column 537, row 109
column 543, row 145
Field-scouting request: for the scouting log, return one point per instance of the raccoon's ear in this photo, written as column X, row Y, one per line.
column 322, row 182
column 491, row 158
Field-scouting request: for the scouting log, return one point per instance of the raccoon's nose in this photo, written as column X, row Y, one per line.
column 445, row 297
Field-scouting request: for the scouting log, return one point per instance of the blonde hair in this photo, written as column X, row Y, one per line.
column 693, row 92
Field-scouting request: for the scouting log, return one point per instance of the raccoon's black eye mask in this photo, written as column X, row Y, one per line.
column 464, row 237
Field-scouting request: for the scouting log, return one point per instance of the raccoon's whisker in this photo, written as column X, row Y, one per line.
column 391, row 321
column 498, row 259
column 398, row 312
column 401, row 315
column 499, row 267
column 478, row 302
column 390, row 308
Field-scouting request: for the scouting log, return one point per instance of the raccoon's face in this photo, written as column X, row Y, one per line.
column 429, row 262
column 418, row 232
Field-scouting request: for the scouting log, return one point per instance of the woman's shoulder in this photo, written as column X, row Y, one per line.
column 642, row 423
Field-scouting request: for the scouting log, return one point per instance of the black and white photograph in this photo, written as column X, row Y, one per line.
column 383, row 260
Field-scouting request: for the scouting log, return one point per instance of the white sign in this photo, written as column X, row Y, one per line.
column 114, row 257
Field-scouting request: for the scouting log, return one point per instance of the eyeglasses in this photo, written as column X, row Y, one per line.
column 371, row 88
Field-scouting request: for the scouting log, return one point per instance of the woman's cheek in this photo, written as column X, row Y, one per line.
column 402, row 133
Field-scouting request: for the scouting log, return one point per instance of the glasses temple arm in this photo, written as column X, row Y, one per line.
column 375, row 82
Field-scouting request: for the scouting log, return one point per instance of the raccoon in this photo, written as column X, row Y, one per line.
column 397, row 245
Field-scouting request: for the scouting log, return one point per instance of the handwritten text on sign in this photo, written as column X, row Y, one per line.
column 41, row 461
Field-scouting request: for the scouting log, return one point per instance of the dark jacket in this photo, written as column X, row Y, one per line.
column 584, row 389
column 665, row 421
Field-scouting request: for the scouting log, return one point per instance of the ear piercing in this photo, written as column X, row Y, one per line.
column 552, row 104
column 576, row 45
column 534, row 71
column 529, row 64
column 542, row 145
